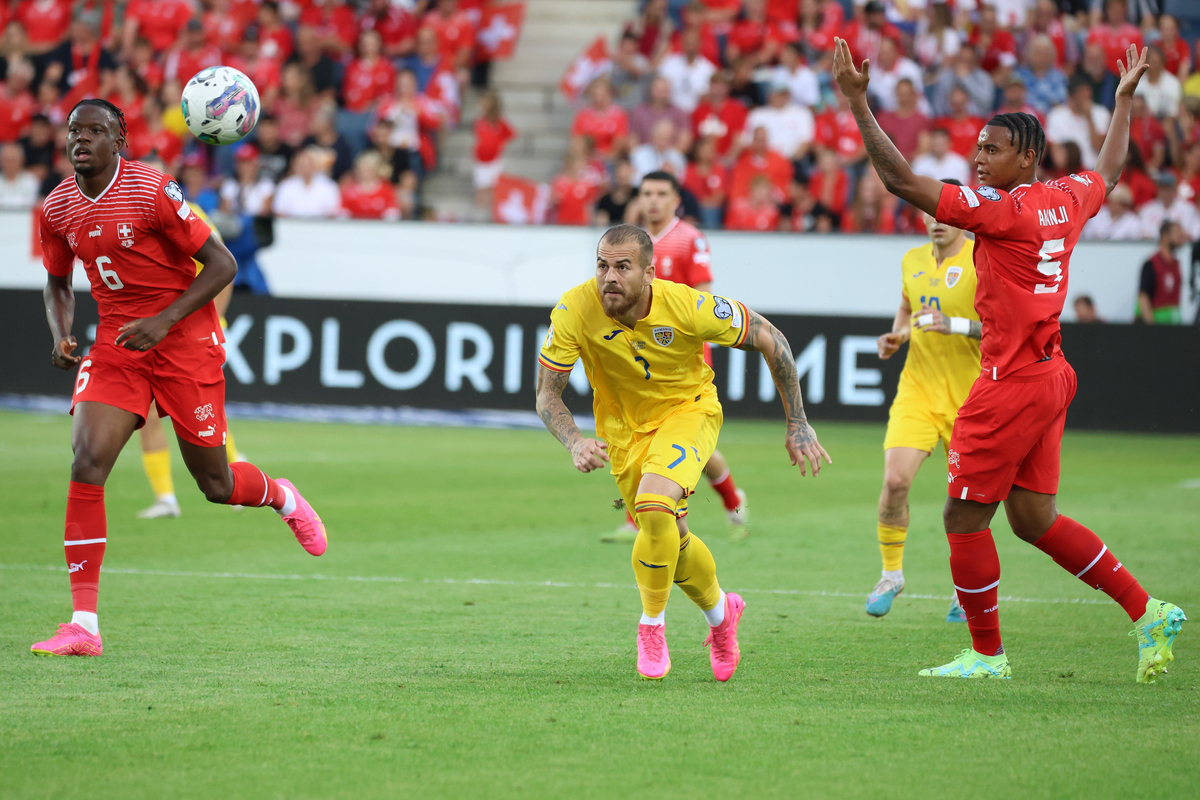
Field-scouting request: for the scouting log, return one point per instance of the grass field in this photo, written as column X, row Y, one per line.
column 467, row 636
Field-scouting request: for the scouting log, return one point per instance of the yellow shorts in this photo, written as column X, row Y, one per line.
column 678, row 450
column 916, row 425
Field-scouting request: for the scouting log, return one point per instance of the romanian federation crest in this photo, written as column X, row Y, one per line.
column 664, row 336
column 952, row 276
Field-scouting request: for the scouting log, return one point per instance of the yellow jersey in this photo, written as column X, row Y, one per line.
column 940, row 368
column 641, row 375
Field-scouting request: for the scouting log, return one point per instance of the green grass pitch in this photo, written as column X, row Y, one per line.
column 467, row 636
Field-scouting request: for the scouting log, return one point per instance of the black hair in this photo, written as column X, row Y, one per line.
column 952, row 181
column 1026, row 132
column 116, row 113
column 623, row 234
column 662, row 175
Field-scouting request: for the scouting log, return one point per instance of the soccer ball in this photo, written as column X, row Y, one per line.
column 220, row 105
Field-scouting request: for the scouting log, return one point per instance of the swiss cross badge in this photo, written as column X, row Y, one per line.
column 125, row 234
column 664, row 336
column 952, row 276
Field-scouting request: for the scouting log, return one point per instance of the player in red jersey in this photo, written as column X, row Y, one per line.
column 1006, row 441
column 681, row 255
column 158, row 339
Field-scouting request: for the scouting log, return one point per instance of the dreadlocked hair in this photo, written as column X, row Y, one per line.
column 117, row 113
column 1026, row 132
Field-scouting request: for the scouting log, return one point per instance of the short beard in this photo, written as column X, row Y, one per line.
column 616, row 308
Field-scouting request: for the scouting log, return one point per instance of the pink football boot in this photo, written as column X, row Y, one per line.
column 654, row 662
column 71, row 640
column 722, row 641
column 304, row 522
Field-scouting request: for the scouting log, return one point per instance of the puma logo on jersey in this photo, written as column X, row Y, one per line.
column 95, row 233
column 1052, row 216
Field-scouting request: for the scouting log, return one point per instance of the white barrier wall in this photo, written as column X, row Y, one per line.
column 496, row 264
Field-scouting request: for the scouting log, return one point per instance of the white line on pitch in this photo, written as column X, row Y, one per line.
column 492, row 582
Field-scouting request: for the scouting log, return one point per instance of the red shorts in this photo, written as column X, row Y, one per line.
column 186, row 383
column 1009, row 433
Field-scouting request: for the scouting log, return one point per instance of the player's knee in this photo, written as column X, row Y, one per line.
column 896, row 485
column 655, row 515
column 87, row 468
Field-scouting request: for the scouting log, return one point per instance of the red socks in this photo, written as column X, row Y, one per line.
column 86, row 533
column 252, row 487
column 1081, row 553
column 975, row 567
column 728, row 491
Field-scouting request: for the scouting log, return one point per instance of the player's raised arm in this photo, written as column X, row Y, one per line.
column 896, row 174
column 801, row 439
column 1111, row 160
column 587, row 454
column 220, row 267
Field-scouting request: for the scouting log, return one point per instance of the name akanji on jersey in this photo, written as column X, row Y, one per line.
column 1023, row 246
column 136, row 241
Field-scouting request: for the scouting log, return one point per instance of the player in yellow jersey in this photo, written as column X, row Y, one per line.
column 943, row 362
column 156, row 456
column 641, row 341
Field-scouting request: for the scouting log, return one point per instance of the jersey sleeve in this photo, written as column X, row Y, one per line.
column 560, row 349
column 1092, row 190
column 982, row 210
column 701, row 270
column 176, row 220
column 57, row 257
column 719, row 320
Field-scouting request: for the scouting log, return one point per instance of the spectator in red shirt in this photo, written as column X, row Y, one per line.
column 1046, row 21
column 752, row 36
column 1114, row 33
column 223, row 27
column 602, row 120
column 819, row 22
column 17, row 103
column 455, row 32
column 157, row 139
column 80, row 65
column 129, row 93
column 836, row 130
column 45, row 22
column 829, row 186
column 335, row 26
column 907, row 127
column 144, row 62
column 961, row 125
column 368, row 195
column 873, row 209
column 694, row 17
column 157, row 21
column 572, row 194
column 396, row 25
column 191, row 55
column 866, row 31
column 295, row 104
column 1147, row 133
column 492, row 135
column 369, row 76
column 266, row 73
column 1175, row 48
column 997, row 47
column 756, row 212
column 758, row 159
column 719, row 116
column 652, row 29
column 708, row 180
column 275, row 38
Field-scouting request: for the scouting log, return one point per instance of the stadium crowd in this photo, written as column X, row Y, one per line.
column 732, row 96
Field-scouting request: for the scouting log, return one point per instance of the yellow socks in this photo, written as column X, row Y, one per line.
column 655, row 551
column 891, row 546
column 231, row 453
column 697, row 571
column 157, row 464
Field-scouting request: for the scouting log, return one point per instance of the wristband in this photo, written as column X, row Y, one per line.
column 960, row 325
column 925, row 320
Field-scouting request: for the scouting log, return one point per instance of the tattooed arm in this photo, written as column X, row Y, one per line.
column 587, row 454
column 920, row 190
column 801, row 439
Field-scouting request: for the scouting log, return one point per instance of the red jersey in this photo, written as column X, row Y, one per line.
column 275, row 43
column 998, row 50
column 490, row 139
column 602, row 126
column 336, row 21
column 394, row 27
column 159, row 21
column 1115, row 42
column 365, row 82
column 837, row 130
column 16, row 114
column 574, row 198
column 223, row 30
column 454, row 34
column 777, row 168
column 964, row 134
column 726, row 122
column 182, row 64
column 1023, row 245
column 377, row 203
column 1176, row 54
column 707, row 186
column 265, row 72
column 136, row 241
column 742, row 216
column 45, row 21
column 681, row 254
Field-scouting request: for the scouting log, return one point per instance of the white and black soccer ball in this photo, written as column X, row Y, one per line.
column 220, row 105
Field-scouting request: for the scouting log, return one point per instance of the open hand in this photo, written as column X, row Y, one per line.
column 801, row 443
column 852, row 82
column 589, row 455
column 61, row 356
column 142, row 334
column 1131, row 71
column 889, row 343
